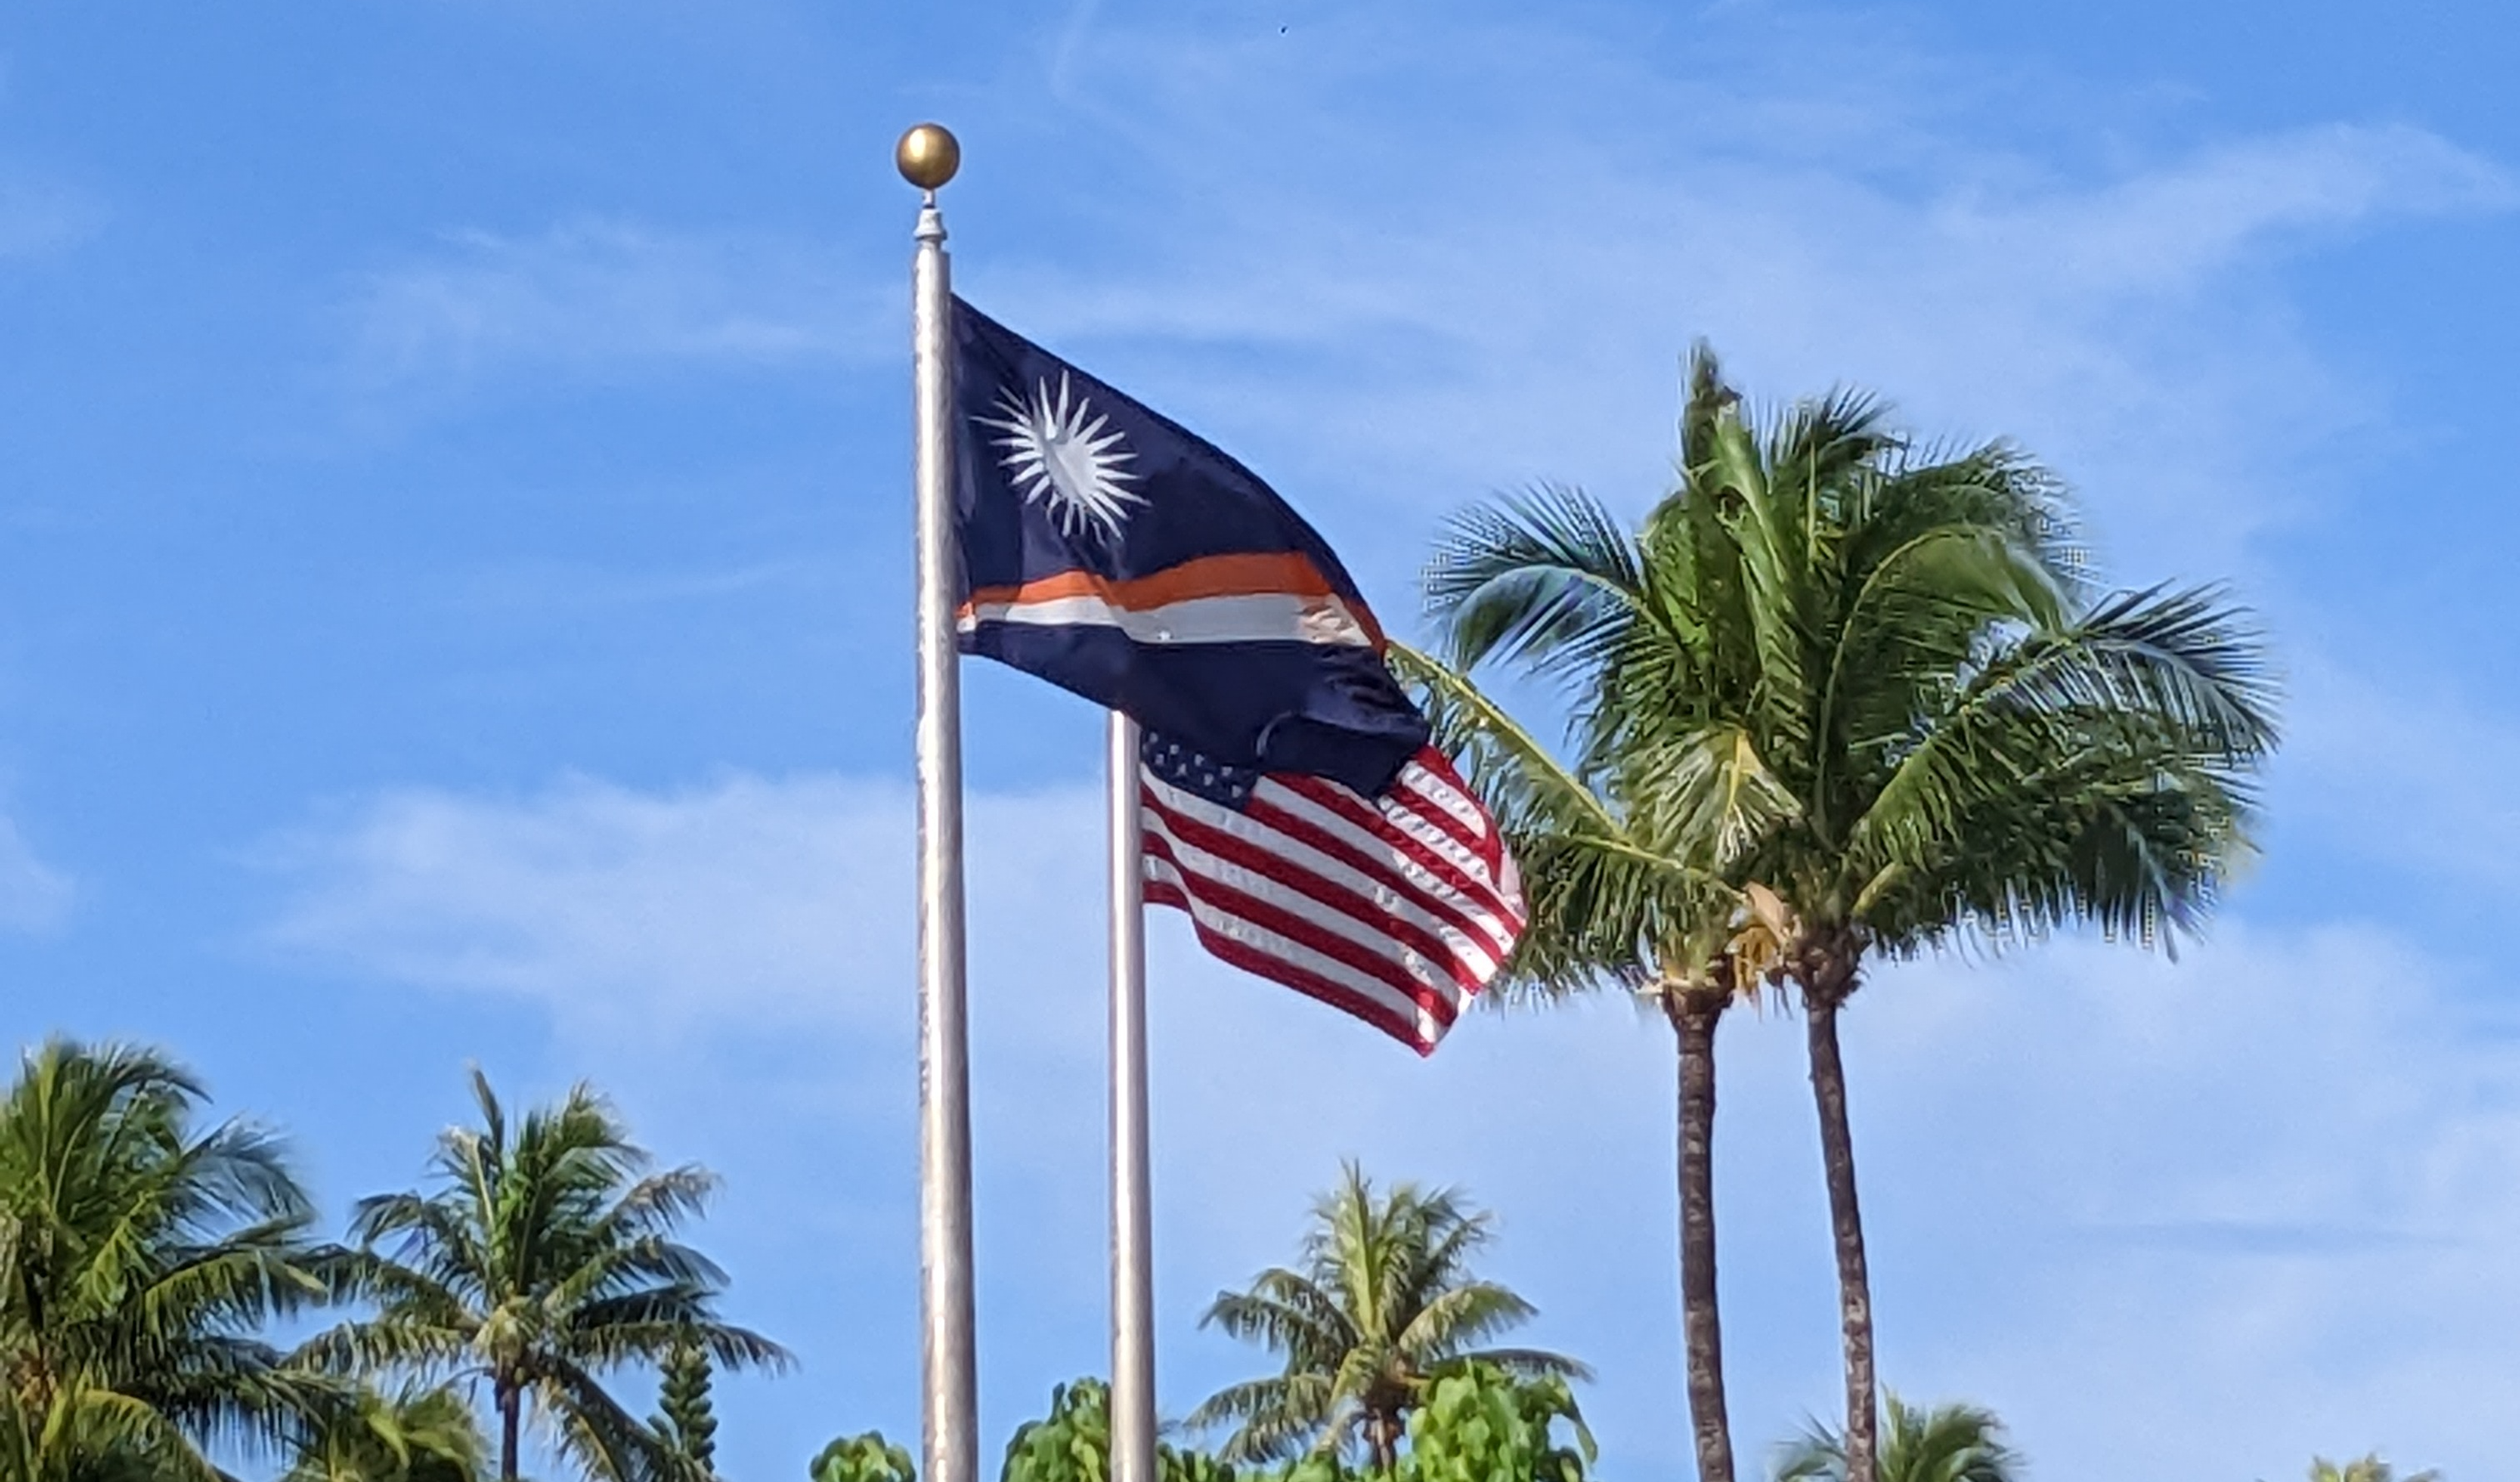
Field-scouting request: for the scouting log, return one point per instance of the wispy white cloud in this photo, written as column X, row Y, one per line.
column 2172, row 229
column 1508, row 298
column 1389, row 313
column 2259, row 1198
column 604, row 904
column 2402, row 774
column 606, row 298
column 1385, row 312
column 34, row 896
column 2228, row 1194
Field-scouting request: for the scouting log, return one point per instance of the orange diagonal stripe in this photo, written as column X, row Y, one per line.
column 1242, row 574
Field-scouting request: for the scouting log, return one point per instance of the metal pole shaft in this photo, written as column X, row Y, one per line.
column 1133, row 1281
column 949, row 1386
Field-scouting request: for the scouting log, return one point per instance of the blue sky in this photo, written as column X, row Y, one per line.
column 453, row 606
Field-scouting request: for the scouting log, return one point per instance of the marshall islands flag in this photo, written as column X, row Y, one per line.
column 1293, row 805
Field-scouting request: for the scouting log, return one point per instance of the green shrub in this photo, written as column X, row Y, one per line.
column 1480, row 1425
column 1476, row 1425
column 863, row 1459
column 1073, row 1444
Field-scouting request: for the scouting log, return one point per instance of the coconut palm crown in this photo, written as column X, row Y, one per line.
column 1874, row 680
column 141, row 1256
column 1949, row 1443
column 1382, row 1303
column 2366, row 1468
column 544, row 1262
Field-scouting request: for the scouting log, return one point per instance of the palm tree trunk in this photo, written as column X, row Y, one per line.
column 508, row 1418
column 1821, row 1004
column 1694, row 1015
column 1382, row 1440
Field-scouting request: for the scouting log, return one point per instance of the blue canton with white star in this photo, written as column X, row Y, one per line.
column 1170, row 762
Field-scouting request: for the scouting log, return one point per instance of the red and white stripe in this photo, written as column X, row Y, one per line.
column 1397, row 908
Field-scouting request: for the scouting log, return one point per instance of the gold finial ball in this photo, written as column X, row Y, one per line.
column 928, row 155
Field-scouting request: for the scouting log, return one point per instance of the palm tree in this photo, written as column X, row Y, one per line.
column 543, row 1262
column 140, row 1259
column 1899, row 710
column 1950, row 1443
column 414, row 1435
column 1383, row 1302
column 1621, row 868
column 2370, row 1468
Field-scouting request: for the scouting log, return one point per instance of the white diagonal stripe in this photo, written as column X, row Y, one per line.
column 1254, row 617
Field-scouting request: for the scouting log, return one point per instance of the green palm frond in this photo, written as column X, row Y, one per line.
column 1949, row 1443
column 1453, row 1320
column 1278, row 1324
column 619, row 1262
column 1605, row 908
column 593, row 1429
column 426, row 1350
column 2095, row 773
column 1528, row 1364
column 1272, row 1418
column 1529, row 787
column 1704, row 792
column 658, row 1203
column 618, row 1336
column 1548, row 577
column 143, row 1257
column 2366, row 1468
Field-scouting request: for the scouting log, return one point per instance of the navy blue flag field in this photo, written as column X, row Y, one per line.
column 1294, row 806
column 1114, row 553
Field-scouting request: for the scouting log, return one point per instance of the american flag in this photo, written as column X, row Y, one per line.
column 1397, row 908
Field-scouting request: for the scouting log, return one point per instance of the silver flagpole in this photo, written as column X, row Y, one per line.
column 927, row 156
column 1133, row 1281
